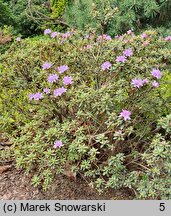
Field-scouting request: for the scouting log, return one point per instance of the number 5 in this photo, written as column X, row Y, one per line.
column 162, row 206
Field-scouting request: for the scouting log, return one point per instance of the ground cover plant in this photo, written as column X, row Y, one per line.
column 90, row 106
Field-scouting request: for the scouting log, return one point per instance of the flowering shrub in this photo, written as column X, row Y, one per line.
column 93, row 107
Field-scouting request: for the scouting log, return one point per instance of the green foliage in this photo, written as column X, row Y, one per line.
column 93, row 14
column 97, row 143
column 115, row 17
column 58, row 7
column 6, row 16
column 158, row 158
column 22, row 17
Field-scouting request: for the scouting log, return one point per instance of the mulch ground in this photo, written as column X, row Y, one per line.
column 15, row 185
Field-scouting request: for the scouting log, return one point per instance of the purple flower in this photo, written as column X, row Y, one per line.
column 36, row 96
column 120, row 59
column 52, row 78
column 47, row 31
column 31, row 96
column 62, row 68
column 106, row 65
column 58, row 144
column 104, row 37
column 54, row 34
column 100, row 38
column 46, row 65
column 87, row 36
column 128, row 52
column 145, row 81
column 155, row 84
column 156, row 73
column 129, row 32
column 46, row 90
column 59, row 91
column 120, row 37
column 137, row 83
column 125, row 114
column 66, row 35
column 168, row 38
column 67, row 80
column 88, row 46
column 126, row 41
column 145, row 43
column 144, row 35
column 18, row 39
column 108, row 37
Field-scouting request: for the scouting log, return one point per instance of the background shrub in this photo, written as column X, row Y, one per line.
column 115, row 17
column 17, row 14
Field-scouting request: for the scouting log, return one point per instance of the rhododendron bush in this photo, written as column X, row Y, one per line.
column 91, row 105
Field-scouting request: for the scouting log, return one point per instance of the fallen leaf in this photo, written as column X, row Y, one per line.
column 5, row 168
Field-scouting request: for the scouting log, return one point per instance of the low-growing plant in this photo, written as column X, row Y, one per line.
column 90, row 106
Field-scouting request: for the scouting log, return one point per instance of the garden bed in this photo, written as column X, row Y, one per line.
column 14, row 185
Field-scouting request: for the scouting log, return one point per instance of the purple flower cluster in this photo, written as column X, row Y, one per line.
column 58, row 144
column 87, row 36
column 145, row 81
column 155, row 84
column 104, row 37
column 146, row 43
column 168, row 38
column 66, row 35
column 106, row 65
column 18, row 39
column 59, row 91
column 46, row 66
column 121, row 59
column 54, row 34
column 36, row 96
column 144, row 35
column 88, row 46
column 62, row 36
column 67, row 80
column 129, row 32
column 126, row 53
column 47, row 31
column 156, row 73
column 46, row 90
column 120, row 37
column 62, row 68
column 52, row 78
column 125, row 114
column 137, row 83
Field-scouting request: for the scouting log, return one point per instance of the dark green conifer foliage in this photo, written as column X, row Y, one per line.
column 115, row 16
column 6, row 16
